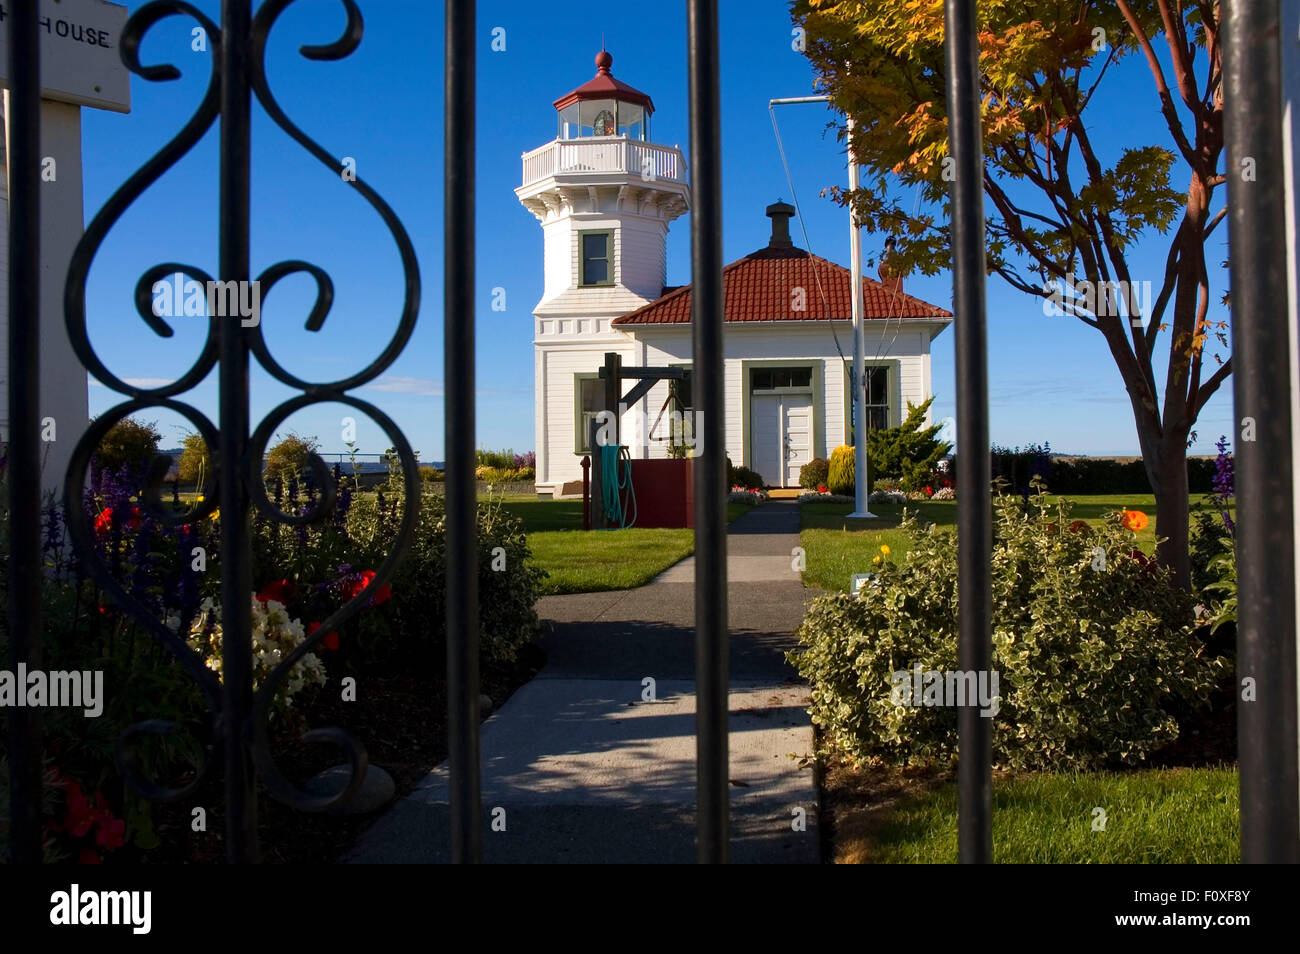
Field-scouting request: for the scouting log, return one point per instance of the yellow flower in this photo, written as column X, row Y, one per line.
column 884, row 548
column 875, row 559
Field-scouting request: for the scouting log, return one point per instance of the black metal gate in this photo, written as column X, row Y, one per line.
column 239, row 714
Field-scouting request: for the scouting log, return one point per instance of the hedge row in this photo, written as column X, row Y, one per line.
column 1093, row 475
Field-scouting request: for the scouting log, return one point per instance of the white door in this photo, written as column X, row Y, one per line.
column 781, row 440
column 798, row 435
column 766, row 445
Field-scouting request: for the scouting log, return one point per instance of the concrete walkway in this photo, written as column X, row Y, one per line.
column 587, row 770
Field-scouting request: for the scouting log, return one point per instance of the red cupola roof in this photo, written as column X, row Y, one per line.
column 604, row 86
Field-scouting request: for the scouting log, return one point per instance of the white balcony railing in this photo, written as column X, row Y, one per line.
column 563, row 156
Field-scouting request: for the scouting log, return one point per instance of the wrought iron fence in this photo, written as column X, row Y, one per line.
column 239, row 712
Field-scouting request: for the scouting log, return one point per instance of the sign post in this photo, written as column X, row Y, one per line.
column 81, row 65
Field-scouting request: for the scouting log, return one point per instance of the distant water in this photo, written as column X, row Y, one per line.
column 363, row 466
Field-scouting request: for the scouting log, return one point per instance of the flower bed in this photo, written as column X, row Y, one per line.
column 302, row 575
column 747, row 495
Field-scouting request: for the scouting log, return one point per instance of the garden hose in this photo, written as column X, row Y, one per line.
column 614, row 503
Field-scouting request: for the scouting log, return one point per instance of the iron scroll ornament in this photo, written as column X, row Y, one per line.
column 246, row 471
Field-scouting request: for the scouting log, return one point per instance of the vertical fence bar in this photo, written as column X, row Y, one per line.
column 462, row 492
column 24, row 463
column 711, row 643
column 1261, row 335
column 236, row 552
column 974, row 500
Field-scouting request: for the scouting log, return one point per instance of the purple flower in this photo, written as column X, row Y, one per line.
column 53, row 541
column 1223, row 470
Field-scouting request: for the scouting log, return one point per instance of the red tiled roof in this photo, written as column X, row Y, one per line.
column 761, row 287
column 604, row 86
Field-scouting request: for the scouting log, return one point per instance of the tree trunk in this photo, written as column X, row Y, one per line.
column 1168, row 474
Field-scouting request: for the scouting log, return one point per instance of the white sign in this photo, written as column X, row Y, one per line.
column 81, row 59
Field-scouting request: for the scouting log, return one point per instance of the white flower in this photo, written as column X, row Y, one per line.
column 274, row 637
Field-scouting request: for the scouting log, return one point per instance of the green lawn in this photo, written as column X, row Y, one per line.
column 836, row 547
column 588, row 561
column 1169, row 816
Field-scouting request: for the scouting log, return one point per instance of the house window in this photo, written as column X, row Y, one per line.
column 772, row 379
column 589, row 400
column 595, row 249
column 877, row 398
column 878, row 410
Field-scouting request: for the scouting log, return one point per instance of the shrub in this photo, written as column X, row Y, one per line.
column 128, row 444
column 502, row 460
column 1224, row 566
column 503, row 475
column 840, row 471
column 1094, row 646
column 195, row 463
column 742, row 477
column 430, row 474
column 909, row 450
column 815, row 473
column 287, row 460
column 1019, row 467
column 506, row 596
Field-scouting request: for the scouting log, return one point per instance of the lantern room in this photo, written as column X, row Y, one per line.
column 604, row 106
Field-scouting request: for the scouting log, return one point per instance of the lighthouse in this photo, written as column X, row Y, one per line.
column 605, row 194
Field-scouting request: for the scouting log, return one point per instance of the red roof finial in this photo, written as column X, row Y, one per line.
column 604, row 61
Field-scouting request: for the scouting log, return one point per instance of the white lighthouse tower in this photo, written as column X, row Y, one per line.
column 605, row 195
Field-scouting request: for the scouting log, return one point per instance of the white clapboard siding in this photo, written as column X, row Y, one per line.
column 555, row 391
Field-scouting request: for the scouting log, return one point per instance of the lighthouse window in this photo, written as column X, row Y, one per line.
column 595, row 249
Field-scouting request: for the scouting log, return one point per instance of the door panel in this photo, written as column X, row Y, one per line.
column 798, row 435
column 765, row 414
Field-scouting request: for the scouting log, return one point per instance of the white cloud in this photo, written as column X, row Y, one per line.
column 403, row 385
column 136, row 382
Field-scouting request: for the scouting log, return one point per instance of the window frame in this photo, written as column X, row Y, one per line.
column 579, row 424
column 582, row 258
column 892, row 371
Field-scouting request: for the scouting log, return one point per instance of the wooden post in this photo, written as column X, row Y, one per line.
column 614, row 390
column 586, row 492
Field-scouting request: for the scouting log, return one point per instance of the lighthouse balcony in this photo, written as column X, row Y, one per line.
column 604, row 154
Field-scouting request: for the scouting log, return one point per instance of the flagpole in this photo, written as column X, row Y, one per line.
column 859, row 396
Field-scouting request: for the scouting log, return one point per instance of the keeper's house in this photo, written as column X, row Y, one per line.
column 605, row 195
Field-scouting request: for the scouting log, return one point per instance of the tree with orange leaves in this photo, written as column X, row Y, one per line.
column 1064, row 221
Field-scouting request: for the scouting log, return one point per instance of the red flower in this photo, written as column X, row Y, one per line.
column 1078, row 526
column 929, row 492
column 359, row 582
column 821, row 488
column 104, row 520
column 331, row 640
column 278, row 590
column 112, row 833
column 81, row 816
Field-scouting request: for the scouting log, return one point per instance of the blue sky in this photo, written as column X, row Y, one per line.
column 1052, row 378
